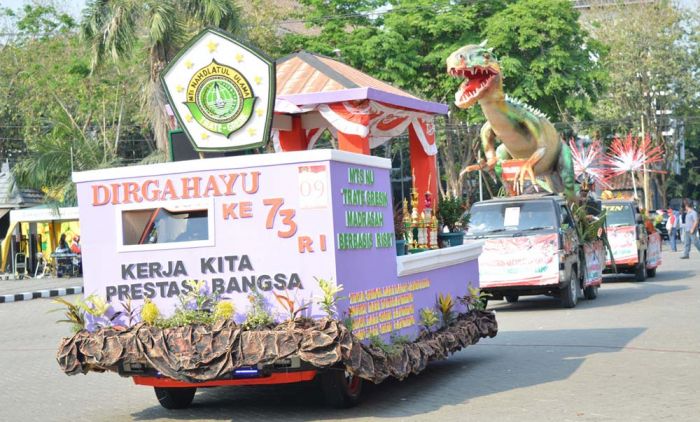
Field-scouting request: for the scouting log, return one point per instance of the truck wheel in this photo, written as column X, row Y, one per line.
column 175, row 398
column 590, row 292
column 569, row 294
column 512, row 298
column 640, row 273
column 651, row 273
column 340, row 388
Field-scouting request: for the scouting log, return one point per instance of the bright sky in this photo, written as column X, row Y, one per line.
column 75, row 7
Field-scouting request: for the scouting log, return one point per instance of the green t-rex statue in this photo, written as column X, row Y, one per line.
column 525, row 132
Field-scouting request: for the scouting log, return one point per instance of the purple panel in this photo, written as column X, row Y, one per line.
column 411, row 103
column 378, row 300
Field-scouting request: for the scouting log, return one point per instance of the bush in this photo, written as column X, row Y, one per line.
column 452, row 212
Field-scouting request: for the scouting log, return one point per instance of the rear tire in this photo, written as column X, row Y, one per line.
column 512, row 298
column 640, row 272
column 341, row 389
column 651, row 273
column 175, row 398
column 569, row 294
column 590, row 292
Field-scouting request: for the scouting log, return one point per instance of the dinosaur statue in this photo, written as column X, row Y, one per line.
column 524, row 132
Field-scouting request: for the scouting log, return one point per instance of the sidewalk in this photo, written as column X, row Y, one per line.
column 13, row 290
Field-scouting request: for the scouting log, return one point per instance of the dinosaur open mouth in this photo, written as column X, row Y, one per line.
column 476, row 80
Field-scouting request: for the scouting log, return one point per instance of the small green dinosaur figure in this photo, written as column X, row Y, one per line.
column 525, row 132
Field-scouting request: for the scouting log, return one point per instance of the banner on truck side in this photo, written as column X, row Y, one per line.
column 623, row 242
column 526, row 261
column 654, row 251
column 222, row 92
column 595, row 258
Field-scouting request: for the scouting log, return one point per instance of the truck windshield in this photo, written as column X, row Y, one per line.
column 619, row 214
column 514, row 216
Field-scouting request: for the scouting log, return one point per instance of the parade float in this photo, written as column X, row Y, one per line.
column 271, row 268
column 635, row 245
column 534, row 243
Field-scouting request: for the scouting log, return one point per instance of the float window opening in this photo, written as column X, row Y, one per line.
column 160, row 225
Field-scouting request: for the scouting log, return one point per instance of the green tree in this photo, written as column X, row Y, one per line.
column 68, row 119
column 547, row 58
column 116, row 28
column 546, row 55
column 653, row 61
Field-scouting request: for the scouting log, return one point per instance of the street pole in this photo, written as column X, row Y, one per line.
column 646, row 187
column 481, row 186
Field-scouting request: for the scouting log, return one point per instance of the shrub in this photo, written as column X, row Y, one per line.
column 452, row 213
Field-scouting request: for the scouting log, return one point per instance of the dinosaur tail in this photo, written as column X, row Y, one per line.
column 566, row 170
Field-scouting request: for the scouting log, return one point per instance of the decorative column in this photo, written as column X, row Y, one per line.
column 423, row 168
column 353, row 143
column 295, row 139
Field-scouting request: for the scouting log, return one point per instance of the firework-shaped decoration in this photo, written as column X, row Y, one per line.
column 588, row 162
column 630, row 155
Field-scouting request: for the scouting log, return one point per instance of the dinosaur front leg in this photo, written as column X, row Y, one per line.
column 527, row 169
column 488, row 143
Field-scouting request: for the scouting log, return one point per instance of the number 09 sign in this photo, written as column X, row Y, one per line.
column 313, row 187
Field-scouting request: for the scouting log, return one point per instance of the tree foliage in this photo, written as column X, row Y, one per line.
column 115, row 29
column 548, row 59
column 653, row 63
column 67, row 118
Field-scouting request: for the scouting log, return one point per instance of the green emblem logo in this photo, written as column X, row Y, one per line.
column 220, row 98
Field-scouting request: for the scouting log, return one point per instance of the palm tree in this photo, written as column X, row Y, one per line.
column 115, row 28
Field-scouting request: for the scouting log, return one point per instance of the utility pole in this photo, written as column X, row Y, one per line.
column 647, row 197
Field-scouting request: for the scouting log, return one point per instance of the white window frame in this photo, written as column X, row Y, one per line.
column 173, row 205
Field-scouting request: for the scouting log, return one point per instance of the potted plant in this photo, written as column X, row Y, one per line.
column 399, row 230
column 452, row 213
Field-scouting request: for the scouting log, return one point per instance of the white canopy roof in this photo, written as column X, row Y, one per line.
column 36, row 214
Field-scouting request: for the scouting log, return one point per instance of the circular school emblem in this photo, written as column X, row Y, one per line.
column 220, row 98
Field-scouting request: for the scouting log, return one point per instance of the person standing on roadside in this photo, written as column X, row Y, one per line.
column 672, row 225
column 690, row 227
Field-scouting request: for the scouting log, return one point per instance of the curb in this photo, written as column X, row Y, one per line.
column 41, row 293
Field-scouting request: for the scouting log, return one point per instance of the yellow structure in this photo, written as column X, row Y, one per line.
column 50, row 224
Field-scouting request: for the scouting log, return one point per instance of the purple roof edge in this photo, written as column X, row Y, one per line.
column 366, row 94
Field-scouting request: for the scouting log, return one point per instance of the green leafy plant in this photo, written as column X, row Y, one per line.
column 397, row 339
column 476, row 299
column 589, row 227
column 329, row 301
column 452, row 212
column 377, row 342
column 183, row 317
column 74, row 313
column 428, row 318
column 129, row 310
column 399, row 227
column 347, row 320
column 197, row 296
column 445, row 305
column 258, row 315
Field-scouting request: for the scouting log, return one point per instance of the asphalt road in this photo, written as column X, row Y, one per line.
column 633, row 354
